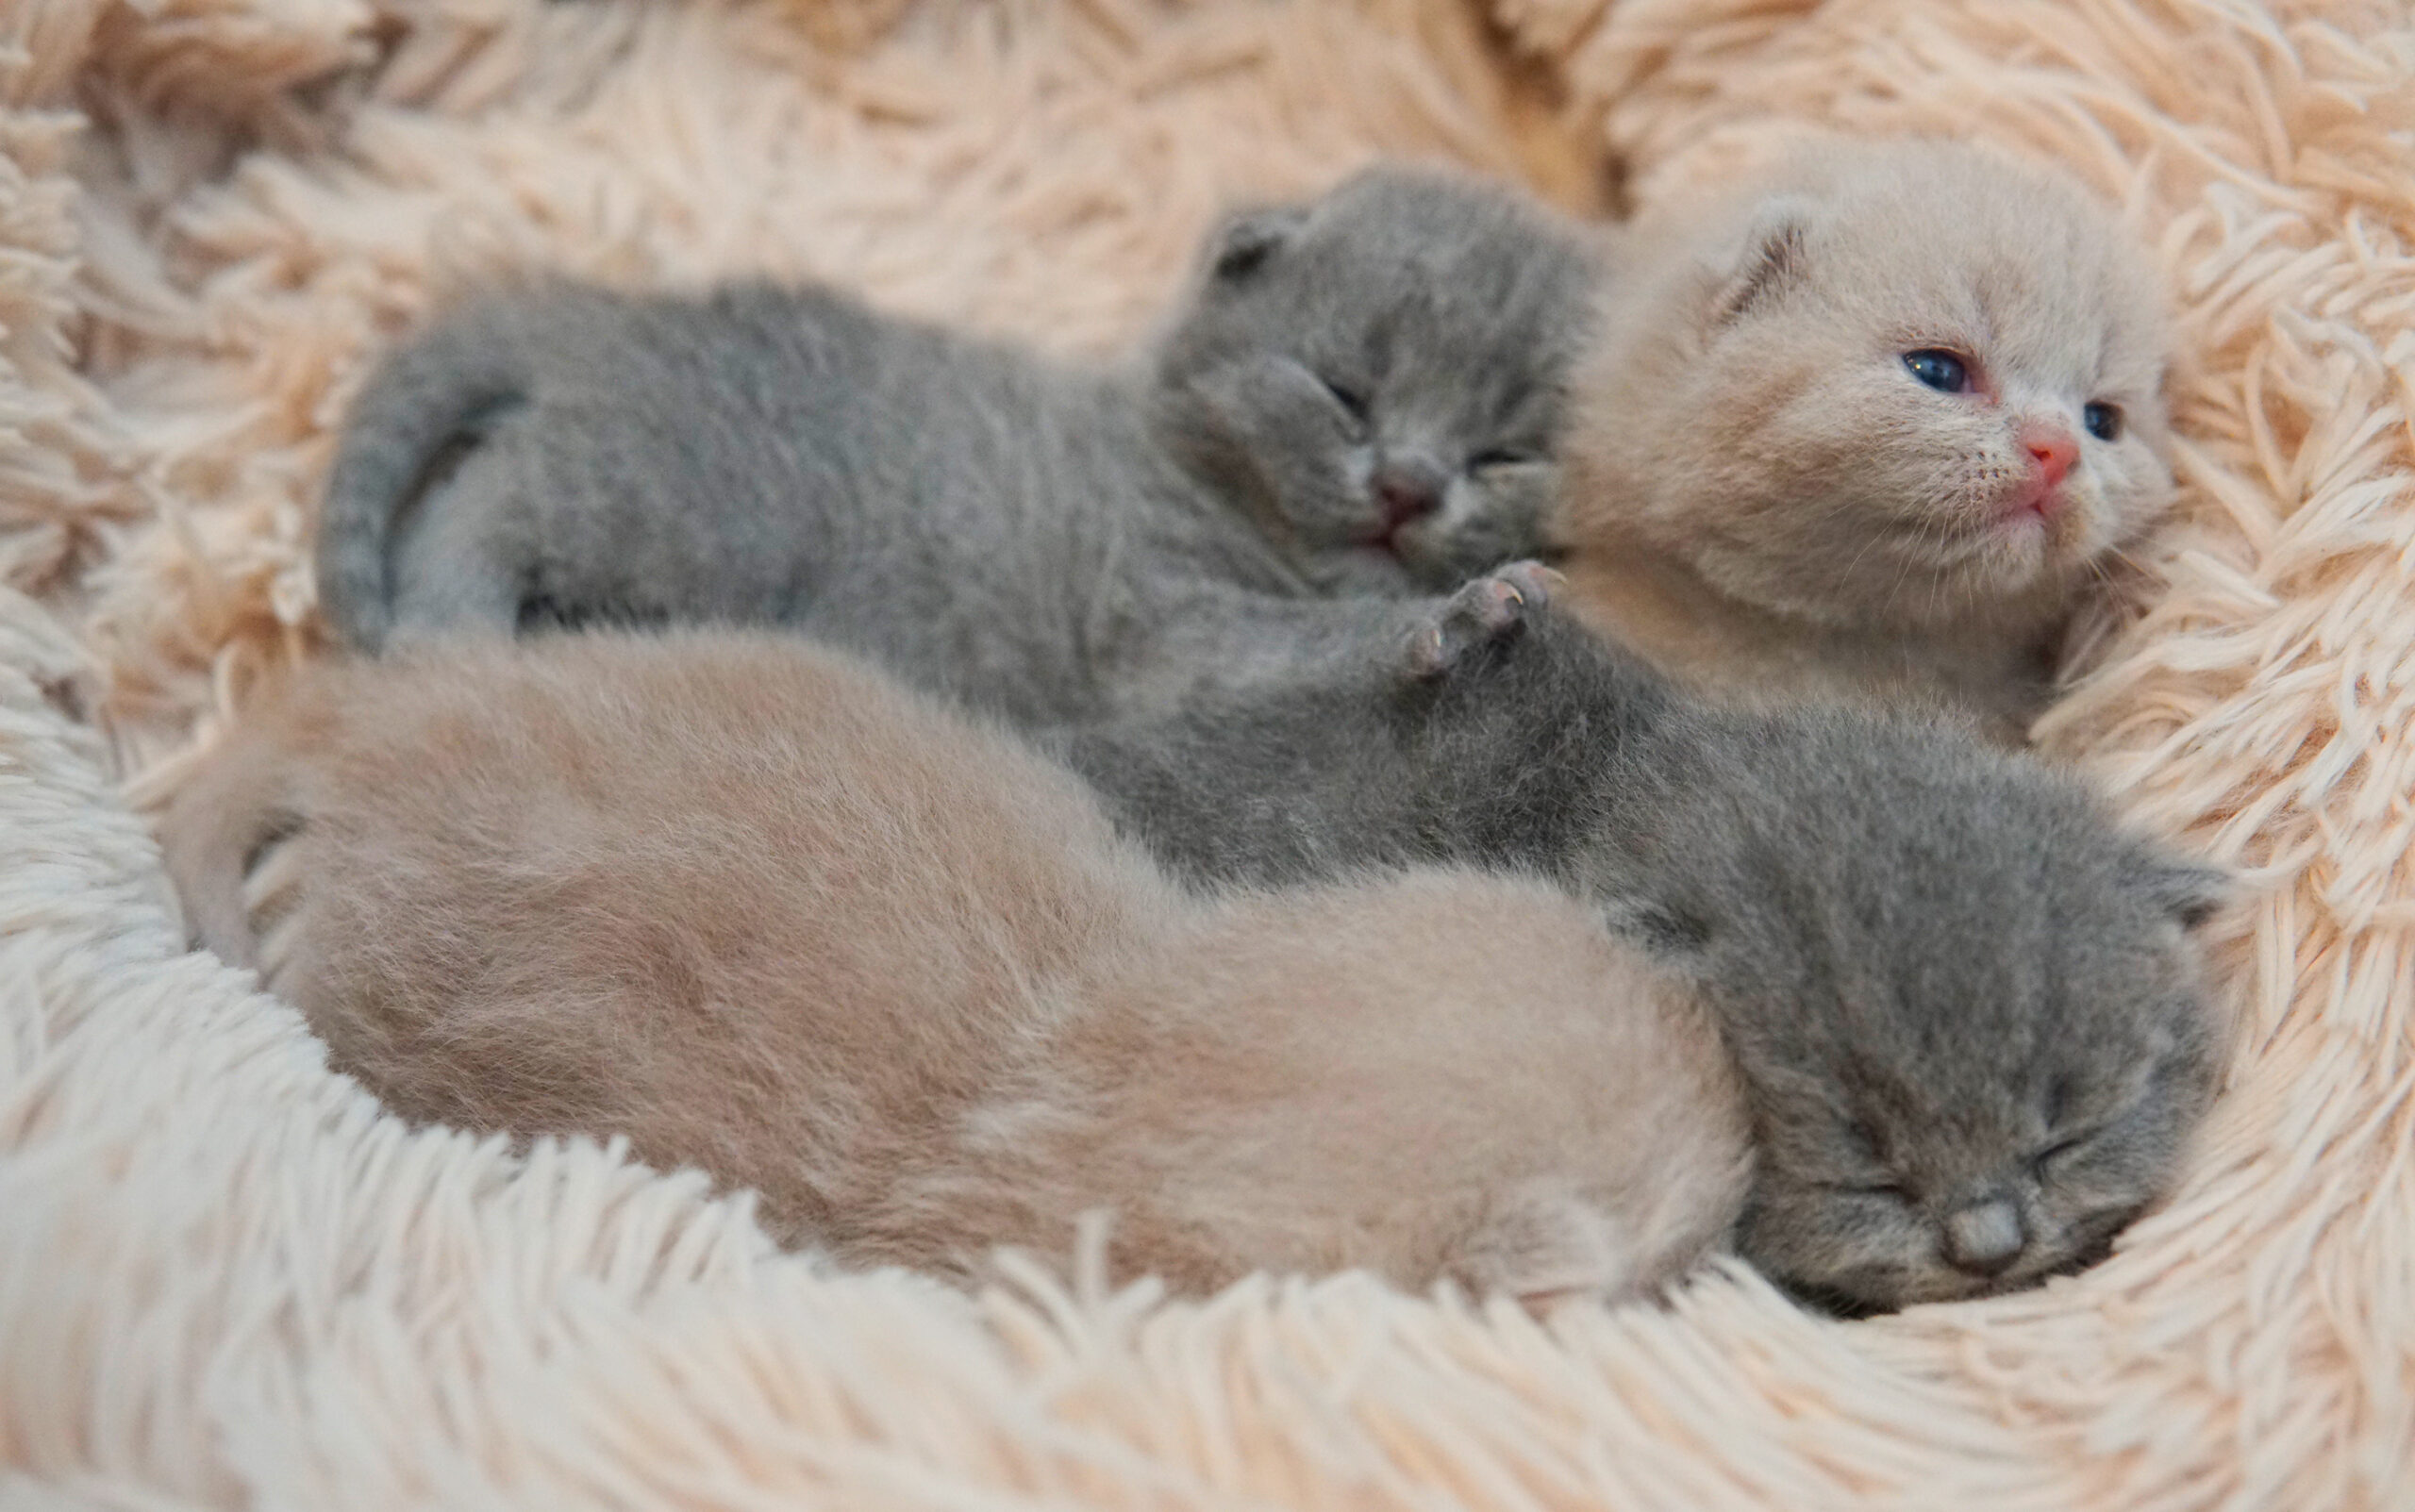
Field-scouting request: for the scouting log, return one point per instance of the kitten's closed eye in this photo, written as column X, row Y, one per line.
column 2042, row 1161
column 1503, row 456
column 1352, row 399
column 1894, row 1191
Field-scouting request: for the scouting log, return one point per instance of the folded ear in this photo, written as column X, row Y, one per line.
column 1543, row 1244
column 1247, row 241
column 1769, row 261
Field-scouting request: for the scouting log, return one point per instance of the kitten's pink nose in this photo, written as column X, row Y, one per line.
column 1408, row 493
column 2052, row 448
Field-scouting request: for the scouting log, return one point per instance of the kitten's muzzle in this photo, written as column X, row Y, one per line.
column 1983, row 1238
column 1407, row 489
column 2051, row 451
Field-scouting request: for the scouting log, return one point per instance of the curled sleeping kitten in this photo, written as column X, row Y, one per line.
column 768, row 913
column 1357, row 398
column 1868, row 425
column 1966, row 1007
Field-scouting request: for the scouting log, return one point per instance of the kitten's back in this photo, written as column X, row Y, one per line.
column 1493, row 1088
column 767, row 913
column 556, row 890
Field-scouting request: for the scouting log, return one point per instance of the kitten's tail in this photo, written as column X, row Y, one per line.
column 236, row 808
column 425, row 400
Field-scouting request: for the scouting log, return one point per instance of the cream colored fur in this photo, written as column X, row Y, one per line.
column 1761, row 496
column 228, row 1281
column 765, row 912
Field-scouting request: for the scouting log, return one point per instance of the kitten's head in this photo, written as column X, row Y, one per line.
column 1967, row 1009
column 1896, row 385
column 1376, row 375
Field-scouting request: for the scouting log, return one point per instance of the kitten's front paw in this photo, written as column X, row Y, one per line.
column 1485, row 612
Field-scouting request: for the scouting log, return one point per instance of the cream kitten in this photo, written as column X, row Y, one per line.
column 768, row 913
column 1868, row 425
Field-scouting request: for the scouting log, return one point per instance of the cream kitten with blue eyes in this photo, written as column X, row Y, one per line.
column 1868, row 424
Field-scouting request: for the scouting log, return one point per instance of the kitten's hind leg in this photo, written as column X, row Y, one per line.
column 461, row 555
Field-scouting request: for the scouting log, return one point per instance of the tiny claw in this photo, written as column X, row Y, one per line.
column 1485, row 611
column 1533, row 577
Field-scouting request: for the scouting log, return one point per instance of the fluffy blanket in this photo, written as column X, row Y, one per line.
column 228, row 1280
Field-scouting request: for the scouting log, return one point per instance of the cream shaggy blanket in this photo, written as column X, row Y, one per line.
column 228, row 1280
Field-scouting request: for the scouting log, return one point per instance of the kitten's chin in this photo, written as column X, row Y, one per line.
column 1998, row 588
column 1872, row 1293
column 1865, row 1298
column 1364, row 571
column 2025, row 576
column 2014, row 563
column 2035, row 544
column 2012, row 576
column 1835, row 1302
column 1404, row 562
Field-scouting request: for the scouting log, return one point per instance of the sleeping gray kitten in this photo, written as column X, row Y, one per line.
column 1357, row 400
column 1966, row 1007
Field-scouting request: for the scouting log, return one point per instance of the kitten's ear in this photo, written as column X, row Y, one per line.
column 1768, row 261
column 2190, row 894
column 1246, row 241
column 1667, row 932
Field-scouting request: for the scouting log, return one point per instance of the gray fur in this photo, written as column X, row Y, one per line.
column 1046, row 540
column 1965, row 1005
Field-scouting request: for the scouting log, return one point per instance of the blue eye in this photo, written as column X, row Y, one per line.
column 2103, row 420
column 1942, row 371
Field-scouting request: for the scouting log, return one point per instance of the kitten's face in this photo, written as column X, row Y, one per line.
column 1971, row 1022
column 1925, row 388
column 1939, row 1160
column 1377, row 376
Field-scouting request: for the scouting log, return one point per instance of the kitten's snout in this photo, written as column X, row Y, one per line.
column 2039, row 492
column 1983, row 1238
column 1409, row 489
column 2052, row 449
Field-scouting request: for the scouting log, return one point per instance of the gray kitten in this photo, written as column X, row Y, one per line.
column 1358, row 399
column 1966, row 1008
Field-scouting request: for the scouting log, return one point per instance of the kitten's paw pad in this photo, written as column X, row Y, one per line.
column 1489, row 609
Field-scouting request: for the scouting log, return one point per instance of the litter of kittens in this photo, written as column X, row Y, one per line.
column 227, row 1279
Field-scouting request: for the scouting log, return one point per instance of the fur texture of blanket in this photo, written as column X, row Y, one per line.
column 228, row 1280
